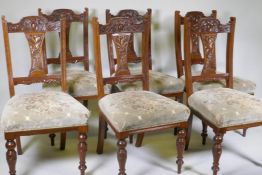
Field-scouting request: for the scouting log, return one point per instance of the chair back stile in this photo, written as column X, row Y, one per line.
column 35, row 28
column 208, row 29
column 121, row 30
column 196, row 57
column 70, row 17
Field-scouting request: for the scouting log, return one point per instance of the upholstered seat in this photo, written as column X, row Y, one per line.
column 42, row 110
column 80, row 83
column 225, row 107
column 159, row 83
column 133, row 110
column 239, row 84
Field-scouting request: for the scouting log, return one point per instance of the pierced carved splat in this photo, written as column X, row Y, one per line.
column 194, row 17
column 209, row 48
column 121, row 44
column 38, row 66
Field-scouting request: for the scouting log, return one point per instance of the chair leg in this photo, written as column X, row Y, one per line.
column 244, row 132
column 204, row 133
column 121, row 156
column 131, row 138
column 106, row 129
column 101, row 135
column 52, row 138
column 11, row 156
column 189, row 129
column 19, row 146
column 175, row 131
column 139, row 140
column 180, row 145
column 82, row 149
column 217, row 151
column 85, row 103
column 62, row 140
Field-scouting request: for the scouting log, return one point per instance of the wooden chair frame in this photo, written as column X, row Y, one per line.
column 35, row 28
column 208, row 29
column 121, row 29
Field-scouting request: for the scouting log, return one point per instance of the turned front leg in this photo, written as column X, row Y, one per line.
column 121, row 156
column 217, row 151
column 180, row 146
column 82, row 149
column 11, row 156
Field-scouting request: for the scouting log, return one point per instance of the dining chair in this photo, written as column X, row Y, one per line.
column 240, row 84
column 159, row 82
column 132, row 112
column 81, row 82
column 222, row 109
column 41, row 112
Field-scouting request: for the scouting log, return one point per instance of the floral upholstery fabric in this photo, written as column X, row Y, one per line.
column 141, row 109
column 225, row 107
column 239, row 84
column 42, row 110
column 159, row 83
column 80, row 83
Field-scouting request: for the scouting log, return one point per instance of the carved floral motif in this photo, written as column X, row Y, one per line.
column 121, row 44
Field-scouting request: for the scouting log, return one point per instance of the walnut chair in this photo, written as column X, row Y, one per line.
column 81, row 83
column 240, row 84
column 42, row 112
column 222, row 109
column 159, row 82
column 126, row 112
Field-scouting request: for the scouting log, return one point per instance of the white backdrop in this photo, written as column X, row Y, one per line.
column 248, row 38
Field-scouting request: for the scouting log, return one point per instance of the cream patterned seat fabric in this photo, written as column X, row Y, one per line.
column 226, row 107
column 239, row 84
column 42, row 110
column 80, row 83
column 159, row 83
column 141, row 109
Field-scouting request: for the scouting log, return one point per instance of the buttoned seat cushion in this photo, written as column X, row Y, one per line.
column 226, row 107
column 159, row 83
column 80, row 83
column 239, row 84
column 133, row 110
column 42, row 110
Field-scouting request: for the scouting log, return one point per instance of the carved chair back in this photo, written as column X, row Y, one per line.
column 208, row 29
column 196, row 56
column 35, row 29
column 70, row 17
column 131, row 53
column 121, row 30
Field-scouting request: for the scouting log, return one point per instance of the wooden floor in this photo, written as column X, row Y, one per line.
column 241, row 156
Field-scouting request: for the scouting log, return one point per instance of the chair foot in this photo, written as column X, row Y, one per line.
column 204, row 133
column 11, row 156
column 52, row 138
column 82, row 149
column 188, row 132
column 139, row 140
column 244, row 132
column 19, row 146
column 180, row 145
column 121, row 156
column 101, row 135
column 62, row 140
column 217, row 151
